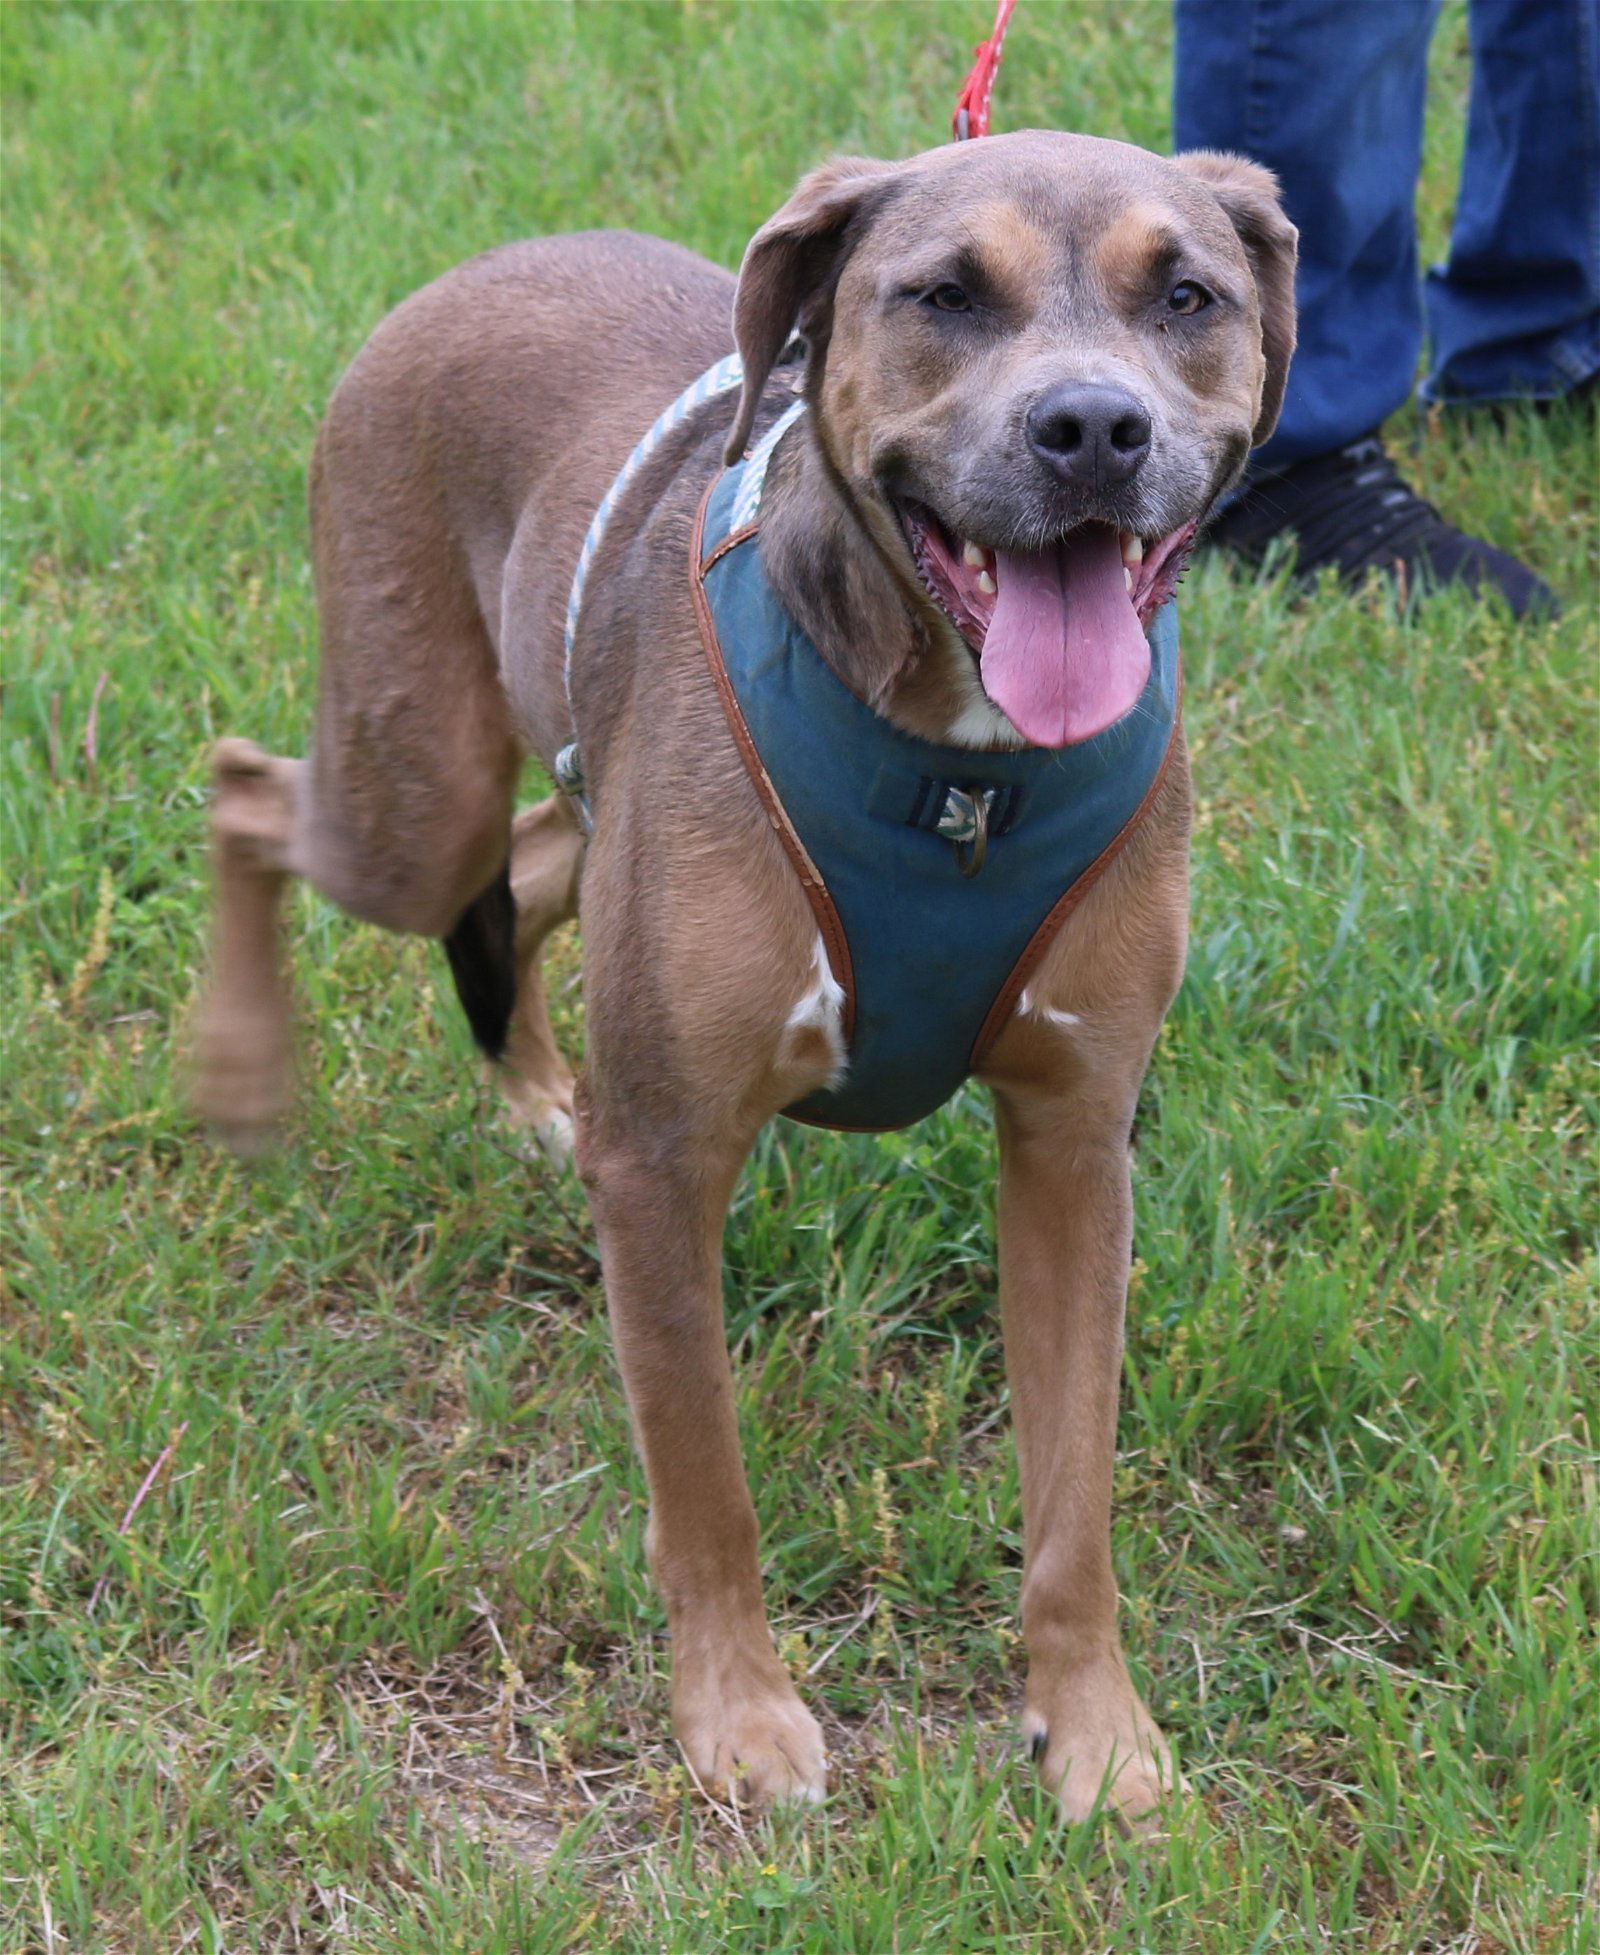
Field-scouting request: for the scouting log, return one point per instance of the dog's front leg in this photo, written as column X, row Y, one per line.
column 1065, row 1237
column 659, row 1206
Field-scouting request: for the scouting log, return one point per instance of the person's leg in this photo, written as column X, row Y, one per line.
column 1331, row 100
column 1516, row 311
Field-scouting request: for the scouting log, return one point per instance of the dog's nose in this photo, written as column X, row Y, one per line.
column 1090, row 433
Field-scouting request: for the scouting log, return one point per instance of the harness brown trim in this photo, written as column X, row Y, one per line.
column 826, row 915
column 1025, row 966
column 731, row 541
column 816, row 891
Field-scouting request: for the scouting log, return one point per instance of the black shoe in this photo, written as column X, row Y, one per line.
column 1350, row 509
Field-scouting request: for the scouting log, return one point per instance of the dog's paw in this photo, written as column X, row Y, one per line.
column 241, row 1073
column 541, row 1117
column 1096, row 1744
column 757, row 1743
column 555, row 1137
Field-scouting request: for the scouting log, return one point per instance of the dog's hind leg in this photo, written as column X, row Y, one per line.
column 242, row 1046
column 402, row 812
column 415, row 850
column 546, row 854
column 270, row 821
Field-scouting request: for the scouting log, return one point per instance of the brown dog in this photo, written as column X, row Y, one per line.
column 1010, row 342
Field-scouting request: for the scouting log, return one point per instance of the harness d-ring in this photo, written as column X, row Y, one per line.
column 972, row 861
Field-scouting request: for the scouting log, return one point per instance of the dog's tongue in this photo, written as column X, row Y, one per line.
column 1064, row 655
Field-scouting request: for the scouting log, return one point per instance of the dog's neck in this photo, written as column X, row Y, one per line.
column 882, row 637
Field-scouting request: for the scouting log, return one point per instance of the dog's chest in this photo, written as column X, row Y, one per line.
column 937, row 875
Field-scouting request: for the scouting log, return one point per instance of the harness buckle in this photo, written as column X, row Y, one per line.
column 567, row 768
column 965, row 825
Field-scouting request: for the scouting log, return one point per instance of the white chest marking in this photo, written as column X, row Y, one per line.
column 979, row 722
column 1067, row 1020
column 822, row 1009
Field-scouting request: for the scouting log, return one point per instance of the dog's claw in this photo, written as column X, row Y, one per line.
column 539, row 1117
column 761, row 1746
column 1097, row 1748
column 555, row 1137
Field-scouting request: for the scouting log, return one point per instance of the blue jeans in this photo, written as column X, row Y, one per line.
column 1330, row 96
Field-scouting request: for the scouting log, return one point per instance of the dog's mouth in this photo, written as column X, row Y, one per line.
column 1059, row 632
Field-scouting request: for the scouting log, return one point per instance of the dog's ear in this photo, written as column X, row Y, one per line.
column 790, row 269
column 1248, row 195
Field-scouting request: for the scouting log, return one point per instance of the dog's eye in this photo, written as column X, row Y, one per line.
column 948, row 298
column 1188, row 297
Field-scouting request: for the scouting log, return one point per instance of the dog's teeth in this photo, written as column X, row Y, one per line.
column 1127, row 578
column 1132, row 547
column 972, row 556
column 986, row 583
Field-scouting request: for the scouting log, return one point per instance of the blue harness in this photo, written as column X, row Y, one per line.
column 937, row 875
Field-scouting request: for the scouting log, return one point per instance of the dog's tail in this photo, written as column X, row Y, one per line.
column 483, row 961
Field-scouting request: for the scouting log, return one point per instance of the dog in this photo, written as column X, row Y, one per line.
column 1028, row 367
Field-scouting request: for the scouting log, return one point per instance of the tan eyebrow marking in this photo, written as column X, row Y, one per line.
column 1130, row 253
column 1006, row 253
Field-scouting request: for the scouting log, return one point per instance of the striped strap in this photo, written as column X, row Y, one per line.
column 725, row 375
column 720, row 379
column 748, row 501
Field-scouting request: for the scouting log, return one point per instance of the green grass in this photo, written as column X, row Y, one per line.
column 376, row 1665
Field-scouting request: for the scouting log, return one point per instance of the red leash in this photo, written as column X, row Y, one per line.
column 972, row 104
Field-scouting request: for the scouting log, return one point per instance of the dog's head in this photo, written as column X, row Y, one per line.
column 1037, row 361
